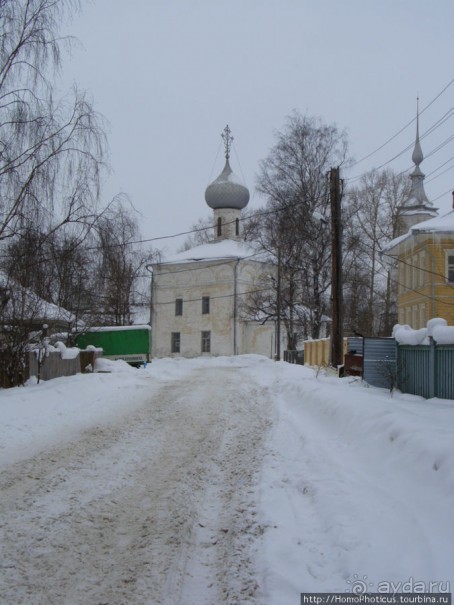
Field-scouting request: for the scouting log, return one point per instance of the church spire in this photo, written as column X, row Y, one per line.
column 417, row 156
column 417, row 207
column 418, row 195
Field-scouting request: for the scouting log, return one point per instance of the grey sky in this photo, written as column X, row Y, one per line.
column 170, row 74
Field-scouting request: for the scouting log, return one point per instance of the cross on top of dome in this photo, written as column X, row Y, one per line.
column 227, row 136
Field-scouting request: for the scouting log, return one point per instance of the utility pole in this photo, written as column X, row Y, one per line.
column 337, row 345
column 278, row 306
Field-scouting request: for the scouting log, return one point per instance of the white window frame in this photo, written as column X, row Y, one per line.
column 422, row 315
column 422, row 269
column 408, row 316
column 175, row 342
column 414, row 318
column 205, row 305
column 179, row 306
column 415, row 271
column 206, row 341
column 401, row 280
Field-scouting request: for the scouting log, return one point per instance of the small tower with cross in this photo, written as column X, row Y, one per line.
column 227, row 197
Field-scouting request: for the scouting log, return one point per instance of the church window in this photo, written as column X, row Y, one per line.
column 179, row 306
column 219, row 228
column 206, row 342
column 205, row 305
column 450, row 266
column 237, row 226
column 175, row 342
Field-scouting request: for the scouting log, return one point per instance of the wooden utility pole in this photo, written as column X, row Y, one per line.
column 337, row 353
column 278, row 307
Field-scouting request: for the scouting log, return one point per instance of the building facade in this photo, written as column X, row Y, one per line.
column 425, row 269
column 197, row 295
column 424, row 253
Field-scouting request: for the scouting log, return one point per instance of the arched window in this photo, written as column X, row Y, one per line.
column 237, row 226
column 219, row 227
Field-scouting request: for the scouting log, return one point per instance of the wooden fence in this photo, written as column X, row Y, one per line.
column 318, row 352
column 53, row 366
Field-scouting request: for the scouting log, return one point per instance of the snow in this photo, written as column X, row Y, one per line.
column 435, row 322
column 439, row 225
column 38, row 308
column 437, row 328
column 216, row 250
column 65, row 352
column 444, row 223
column 221, row 480
column 120, row 328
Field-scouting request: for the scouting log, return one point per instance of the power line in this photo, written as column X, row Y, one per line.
column 443, row 90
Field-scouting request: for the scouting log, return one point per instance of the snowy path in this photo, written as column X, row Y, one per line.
column 221, row 481
column 157, row 507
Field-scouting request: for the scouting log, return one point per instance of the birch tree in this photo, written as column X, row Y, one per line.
column 293, row 181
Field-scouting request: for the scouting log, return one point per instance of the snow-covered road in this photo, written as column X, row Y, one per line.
column 233, row 481
column 157, row 507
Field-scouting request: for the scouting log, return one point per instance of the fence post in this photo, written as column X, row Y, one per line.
column 432, row 369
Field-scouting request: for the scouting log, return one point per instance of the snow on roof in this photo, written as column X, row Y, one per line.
column 119, row 328
column 217, row 250
column 38, row 308
column 438, row 224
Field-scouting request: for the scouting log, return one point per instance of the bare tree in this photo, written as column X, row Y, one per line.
column 50, row 151
column 51, row 154
column 202, row 232
column 373, row 207
column 293, row 180
column 121, row 263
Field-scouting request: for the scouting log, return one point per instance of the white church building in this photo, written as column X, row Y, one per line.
column 197, row 295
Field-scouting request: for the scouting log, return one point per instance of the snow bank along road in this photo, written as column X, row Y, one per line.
column 157, row 506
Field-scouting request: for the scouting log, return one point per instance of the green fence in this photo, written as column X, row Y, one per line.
column 426, row 370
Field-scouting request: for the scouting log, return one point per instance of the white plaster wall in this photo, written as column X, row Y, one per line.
column 259, row 339
column 192, row 281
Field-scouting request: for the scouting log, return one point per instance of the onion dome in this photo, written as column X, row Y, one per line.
column 227, row 191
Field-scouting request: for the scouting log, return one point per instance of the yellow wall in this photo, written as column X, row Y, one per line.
column 423, row 290
column 317, row 352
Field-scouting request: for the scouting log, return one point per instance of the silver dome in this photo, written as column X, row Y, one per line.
column 226, row 191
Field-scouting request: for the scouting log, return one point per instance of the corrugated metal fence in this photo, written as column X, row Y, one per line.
column 379, row 362
column 426, row 370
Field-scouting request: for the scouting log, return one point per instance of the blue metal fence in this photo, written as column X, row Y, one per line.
column 379, row 364
column 426, row 370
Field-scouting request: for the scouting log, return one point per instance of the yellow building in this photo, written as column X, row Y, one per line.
column 424, row 252
column 425, row 271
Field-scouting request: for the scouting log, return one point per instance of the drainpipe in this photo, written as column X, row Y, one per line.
column 432, row 280
column 235, row 304
column 149, row 268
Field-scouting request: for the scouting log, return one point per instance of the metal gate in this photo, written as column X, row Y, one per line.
column 379, row 362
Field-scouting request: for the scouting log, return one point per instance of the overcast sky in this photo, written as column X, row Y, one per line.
column 168, row 75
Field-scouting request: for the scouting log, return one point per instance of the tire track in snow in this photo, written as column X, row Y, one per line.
column 156, row 508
